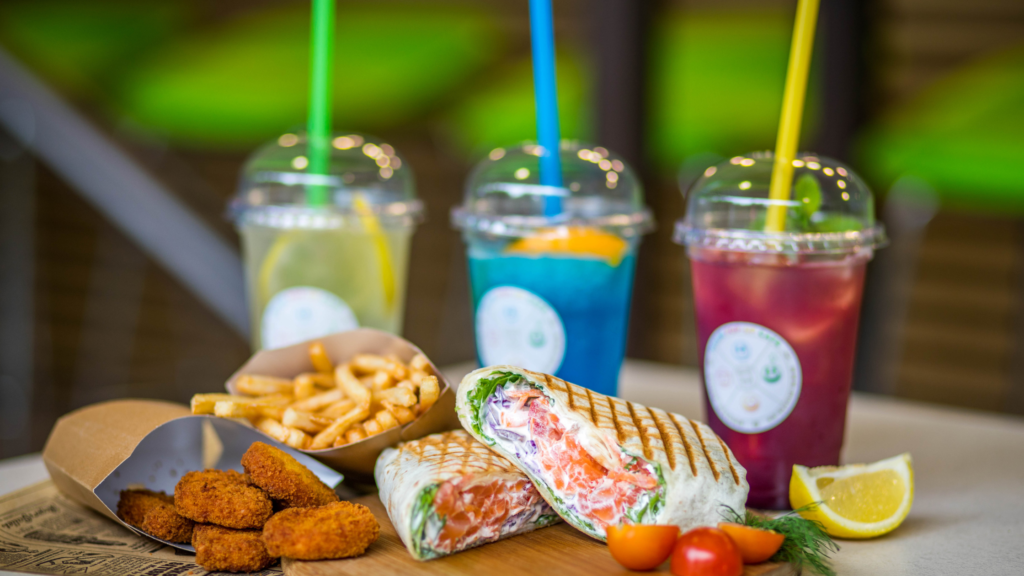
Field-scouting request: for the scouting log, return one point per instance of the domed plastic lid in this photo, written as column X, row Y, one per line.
column 830, row 210
column 504, row 196
column 365, row 177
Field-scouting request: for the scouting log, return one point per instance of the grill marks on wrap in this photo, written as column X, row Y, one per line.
column 728, row 458
column 686, row 443
column 590, row 405
column 658, row 435
column 704, row 447
column 568, row 391
column 667, row 440
column 455, row 454
column 642, row 425
column 615, row 419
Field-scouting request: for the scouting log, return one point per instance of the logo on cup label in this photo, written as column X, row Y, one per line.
column 752, row 375
column 517, row 327
column 301, row 313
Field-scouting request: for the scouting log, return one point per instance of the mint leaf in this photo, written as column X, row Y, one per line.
column 807, row 192
column 838, row 223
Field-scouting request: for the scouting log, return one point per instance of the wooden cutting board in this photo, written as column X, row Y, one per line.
column 558, row 549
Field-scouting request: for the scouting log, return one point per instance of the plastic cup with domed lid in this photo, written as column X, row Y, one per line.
column 338, row 264
column 551, row 288
column 777, row 312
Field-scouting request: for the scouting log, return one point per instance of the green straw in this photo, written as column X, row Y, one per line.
column 319, row 137
column 318, row 130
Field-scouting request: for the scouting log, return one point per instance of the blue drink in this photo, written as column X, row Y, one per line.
column 551, row 288
column 589, row 298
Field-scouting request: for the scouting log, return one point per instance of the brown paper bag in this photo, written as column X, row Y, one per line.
column 95, row 452
column 357, row 459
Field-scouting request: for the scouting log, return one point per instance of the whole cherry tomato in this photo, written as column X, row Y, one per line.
column 706, row 552
column 641, row 547
column 755, row 545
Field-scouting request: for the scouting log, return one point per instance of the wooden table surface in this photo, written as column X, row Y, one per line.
column 559, row 549
column 968, row 514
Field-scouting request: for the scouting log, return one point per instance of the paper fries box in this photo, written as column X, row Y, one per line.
column 96, row 452
column 357, row 459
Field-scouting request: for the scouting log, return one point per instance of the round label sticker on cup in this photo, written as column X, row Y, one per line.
column 752, row 375
column 301, row 313
column 517, row 327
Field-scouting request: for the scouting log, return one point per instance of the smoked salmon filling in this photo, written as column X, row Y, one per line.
column 465, row 512
column 590, row 478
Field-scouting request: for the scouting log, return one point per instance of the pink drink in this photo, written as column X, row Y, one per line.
column 793, row 408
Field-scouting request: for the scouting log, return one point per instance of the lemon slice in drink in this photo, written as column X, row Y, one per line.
column 574, row 240
column 856, row 500
column 332, row 256
column 345, row 263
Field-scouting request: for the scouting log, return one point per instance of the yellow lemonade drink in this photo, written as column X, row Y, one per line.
column 316, row 270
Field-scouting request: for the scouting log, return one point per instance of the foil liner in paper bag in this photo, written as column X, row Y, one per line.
column 96, row 452
column 357, row 459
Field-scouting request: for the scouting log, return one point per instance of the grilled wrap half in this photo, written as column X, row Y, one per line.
column 447, row 492
column 599, row 460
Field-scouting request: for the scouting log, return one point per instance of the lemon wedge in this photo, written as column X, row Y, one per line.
column 856, row 500
column 573, row 240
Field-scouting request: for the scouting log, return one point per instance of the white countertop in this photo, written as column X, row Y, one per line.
column 968, row 513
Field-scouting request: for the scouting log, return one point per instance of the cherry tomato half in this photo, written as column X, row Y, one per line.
column 641, row 547
column 755, row 545
column 706, row 552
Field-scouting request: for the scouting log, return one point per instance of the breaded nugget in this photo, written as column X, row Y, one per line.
column 154, row 514
column 222, row 497
column 284, row 479
column 339, row 530
column 220, row 549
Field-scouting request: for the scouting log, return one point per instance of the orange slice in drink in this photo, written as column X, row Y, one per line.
column 572, row 241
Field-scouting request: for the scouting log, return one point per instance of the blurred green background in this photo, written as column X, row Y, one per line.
column 189, row 88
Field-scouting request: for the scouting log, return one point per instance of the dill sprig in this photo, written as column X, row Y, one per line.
column 806, row 542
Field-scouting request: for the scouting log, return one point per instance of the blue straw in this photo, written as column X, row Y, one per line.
column 542, row 34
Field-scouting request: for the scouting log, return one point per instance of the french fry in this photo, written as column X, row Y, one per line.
column 386, row 419
column 430, row 390
column 289, row 436
column 397, row 395
column 319, row 401
column 326, row 437
column 321, row 361
column 382, row 381
column 401, row 413
column 303, row 387
column 260, row 385
column 305, row 421
column 334, row 406
column 372, row 427
column 203, row 403
column 370, row 363
column 352, row 386
column 229, row 409
column 355, row 434
column 416, row 377
column 338, row 409
column 319, row 379
column 420, row 363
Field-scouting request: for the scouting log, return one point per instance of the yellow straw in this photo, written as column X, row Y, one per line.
column 792, row 112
